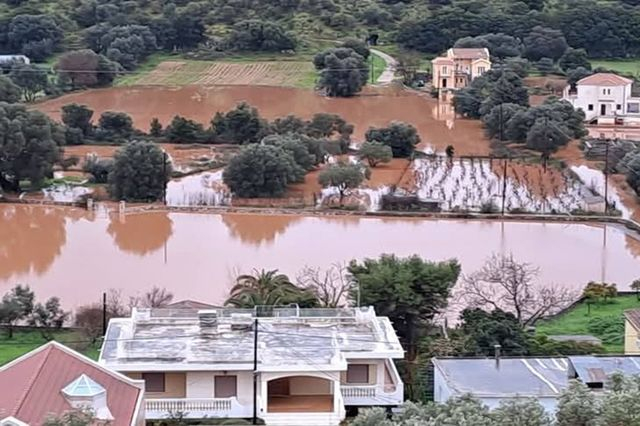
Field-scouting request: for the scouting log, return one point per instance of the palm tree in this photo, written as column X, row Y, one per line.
column 268, row 288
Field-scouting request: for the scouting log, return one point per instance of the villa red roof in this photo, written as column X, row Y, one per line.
column 604, row 79
column 31, row 386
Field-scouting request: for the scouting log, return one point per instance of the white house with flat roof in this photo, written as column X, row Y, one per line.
column 605, row 97
column 308, row 364
column 493, row 380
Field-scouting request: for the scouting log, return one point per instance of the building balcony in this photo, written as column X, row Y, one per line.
column 196, row 408
column 389, row 393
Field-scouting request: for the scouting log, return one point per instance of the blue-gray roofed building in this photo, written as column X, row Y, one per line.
column 492, row 380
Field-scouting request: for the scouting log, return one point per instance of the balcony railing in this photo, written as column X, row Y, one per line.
column 196, row 407
column 358, row 391
column 190, row 404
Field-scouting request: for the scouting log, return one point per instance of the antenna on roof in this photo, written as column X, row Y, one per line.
column 496, row 355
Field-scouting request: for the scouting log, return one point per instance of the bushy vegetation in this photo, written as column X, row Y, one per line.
column 140, row 172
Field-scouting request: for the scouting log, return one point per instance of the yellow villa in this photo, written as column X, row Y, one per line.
column 459, row 67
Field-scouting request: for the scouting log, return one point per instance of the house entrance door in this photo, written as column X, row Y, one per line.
column 603, row 109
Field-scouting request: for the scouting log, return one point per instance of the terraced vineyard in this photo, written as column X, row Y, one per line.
column 206, row 73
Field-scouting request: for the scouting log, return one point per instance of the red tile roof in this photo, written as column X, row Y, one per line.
column 31, row 386
column 604, row 79
column 470, row 53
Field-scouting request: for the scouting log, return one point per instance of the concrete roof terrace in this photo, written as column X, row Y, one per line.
column 289, row 339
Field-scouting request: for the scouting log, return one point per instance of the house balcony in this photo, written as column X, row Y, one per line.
column 391, row 392
column 196, row 408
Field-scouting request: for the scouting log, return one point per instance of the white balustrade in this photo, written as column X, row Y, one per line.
column 189, row 404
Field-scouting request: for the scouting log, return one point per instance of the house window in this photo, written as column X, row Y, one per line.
column 225, row 386
column 480, row 70
column 153, row 382
column 633, row 107
column 444, row 70
column 604, row 91
column 358, row 373
column 618, row 107
column 590, row 107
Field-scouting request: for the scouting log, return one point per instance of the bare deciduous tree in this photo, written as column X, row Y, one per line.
column 155, row 298
column 331, row 286
column 506, row 284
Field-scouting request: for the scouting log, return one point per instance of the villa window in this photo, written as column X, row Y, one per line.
column 358, row 373
column 590, row 107
column 618, row 107
column 633, row 107
column 225, row 386
column 153, row 382
column 444, row 70
column 480, row 70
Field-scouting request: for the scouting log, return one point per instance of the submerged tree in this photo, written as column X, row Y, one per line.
column 29, row 146
column 261, row 171
column 401, row 137
column 343, row 177
column 375, row 153
column 140, row 172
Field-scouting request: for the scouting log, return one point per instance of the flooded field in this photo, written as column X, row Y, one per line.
column 435, row 122
column 77, row 255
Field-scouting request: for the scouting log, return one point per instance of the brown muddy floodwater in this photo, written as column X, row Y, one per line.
column 435, row 121
column 77, row 255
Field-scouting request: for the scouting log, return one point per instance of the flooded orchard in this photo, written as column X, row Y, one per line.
column 76, row 255
column 376, row 107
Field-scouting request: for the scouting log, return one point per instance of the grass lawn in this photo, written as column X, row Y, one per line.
column 24, row 341
column 376, row 67
column 628, row 66
column 577, row 321
column 148, row 65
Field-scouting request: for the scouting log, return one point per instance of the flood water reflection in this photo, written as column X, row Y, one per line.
column 76, row 255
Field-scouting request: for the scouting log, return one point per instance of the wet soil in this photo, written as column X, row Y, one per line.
column 76, row 255
column 375, row 107
column 184, row 155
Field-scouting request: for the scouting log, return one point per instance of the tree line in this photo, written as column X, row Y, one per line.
column 577, row 406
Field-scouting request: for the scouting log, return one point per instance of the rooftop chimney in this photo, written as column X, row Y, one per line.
column 496, row 349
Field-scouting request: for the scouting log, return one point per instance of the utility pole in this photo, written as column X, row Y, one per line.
column 504, row 185
column 104, row 313
column 501, row 125
column 606, row 176
column 164, row 177
column 255, row 371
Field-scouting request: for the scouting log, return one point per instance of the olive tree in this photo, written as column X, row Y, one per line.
column 140, row 172
column 343, row 177
column 78, row 117
column 343, row 72
column 261, row 171
column 30, row 78
column 375, row 153
column 29, row 146
column 401, row 137
column 577, row 406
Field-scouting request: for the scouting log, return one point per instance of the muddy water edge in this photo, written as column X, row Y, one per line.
column 76, row 255
column 375, row 107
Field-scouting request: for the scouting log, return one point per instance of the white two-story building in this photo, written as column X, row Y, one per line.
column 605, row 97
column 308, row 364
